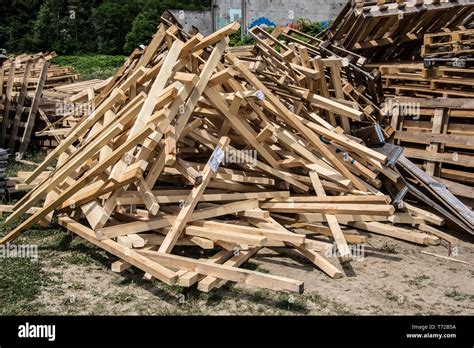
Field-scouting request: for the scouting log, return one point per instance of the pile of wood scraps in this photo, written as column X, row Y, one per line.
column 297, row 71
column 190, row 146
column 23, row 79
column 359, row 84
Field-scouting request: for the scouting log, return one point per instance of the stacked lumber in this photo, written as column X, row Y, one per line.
column 190, row 147
column 23, row 80
column 3, row 168
column 384, row 31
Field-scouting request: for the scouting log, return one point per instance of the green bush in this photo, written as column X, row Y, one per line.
column 92, row 66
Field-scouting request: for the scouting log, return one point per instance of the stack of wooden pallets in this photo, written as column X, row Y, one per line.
column 191, row 147
column 384, row 31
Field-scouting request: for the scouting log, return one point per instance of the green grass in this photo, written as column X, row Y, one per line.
column 323, row 302
column 21, row 280
column 14, row 166
column 418, row 281
column 389, row 248
column 124, row 297
column 92, row 66
column 455, row 294
column 292, row 303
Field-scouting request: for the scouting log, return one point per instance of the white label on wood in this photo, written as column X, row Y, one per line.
column 216, row 159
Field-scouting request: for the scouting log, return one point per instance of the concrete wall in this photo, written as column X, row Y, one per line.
column 200, row 19
column 278, row 12
column 262, row 12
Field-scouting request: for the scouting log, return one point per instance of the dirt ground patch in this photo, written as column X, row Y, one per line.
column 392, row 278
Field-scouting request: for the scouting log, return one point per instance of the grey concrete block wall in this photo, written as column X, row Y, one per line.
column 270, row 12
column 200, row 19
column 279, row 12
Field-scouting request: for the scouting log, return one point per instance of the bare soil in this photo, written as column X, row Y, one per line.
column 393, row 278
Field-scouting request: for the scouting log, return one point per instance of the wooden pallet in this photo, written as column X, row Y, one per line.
column 448, row 44
column 383, row 31
column 438, row 134
column 413, row 79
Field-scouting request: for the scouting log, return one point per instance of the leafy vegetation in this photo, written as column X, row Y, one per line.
column 109, row 27
column 92, row 66
column 106, row 27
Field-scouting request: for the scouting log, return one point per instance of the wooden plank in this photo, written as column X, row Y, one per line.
column 228, row 236
column 193, row 199
column 331, row 219
column 437, row 128
column 148, row 198
column 332, row 208
column 321, row 262
column 447, row 258
column 25, row 140
column 153, row 46
column 8, row 102
column 164, row 197
column 168, row 220
column 225, row 272
column 240, row 257
column 19, row 106
column 217, row 36
column 143, row 262
column 396, row 232
column 187, row 279
column 269, row 234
